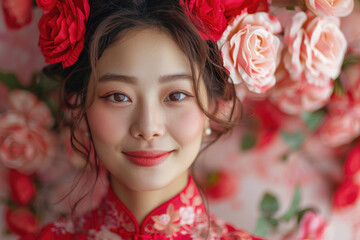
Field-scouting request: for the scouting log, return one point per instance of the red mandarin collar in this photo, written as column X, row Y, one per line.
column 165, row 220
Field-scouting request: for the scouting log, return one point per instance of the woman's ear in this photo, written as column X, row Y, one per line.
column 207, row 129
column 222, row 109
column 207, row 126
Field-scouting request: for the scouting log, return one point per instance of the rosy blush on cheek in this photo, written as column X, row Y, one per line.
column 104, row 123
column 188, row 126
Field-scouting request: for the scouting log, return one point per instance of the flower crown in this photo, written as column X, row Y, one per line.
column 63, row 25
column 247, row 36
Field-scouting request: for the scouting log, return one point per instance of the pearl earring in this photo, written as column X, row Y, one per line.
column 208, row 131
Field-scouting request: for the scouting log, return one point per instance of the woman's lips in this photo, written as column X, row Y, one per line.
column 147, row 158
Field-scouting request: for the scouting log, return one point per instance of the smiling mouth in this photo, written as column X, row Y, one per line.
column 147, row 158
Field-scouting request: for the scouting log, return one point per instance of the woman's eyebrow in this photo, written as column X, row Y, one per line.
column 115, row 77
column 133, row 80
column 174, row 77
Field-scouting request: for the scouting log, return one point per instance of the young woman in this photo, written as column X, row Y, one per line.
column 147, row 85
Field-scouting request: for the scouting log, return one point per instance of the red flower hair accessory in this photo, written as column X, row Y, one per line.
column 62, row 30
column 211, row 16
column 208, row 16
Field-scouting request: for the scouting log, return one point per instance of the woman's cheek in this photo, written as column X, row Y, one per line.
column 105, row 124
column 188, row 125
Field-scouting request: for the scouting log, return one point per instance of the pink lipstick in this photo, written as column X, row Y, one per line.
column 147, row 158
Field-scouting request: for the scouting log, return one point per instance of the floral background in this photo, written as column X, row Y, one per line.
column 289, row 171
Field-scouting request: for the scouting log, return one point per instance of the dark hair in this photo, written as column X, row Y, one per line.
column 109, row 20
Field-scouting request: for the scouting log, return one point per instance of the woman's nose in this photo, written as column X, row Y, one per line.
column 148, row 122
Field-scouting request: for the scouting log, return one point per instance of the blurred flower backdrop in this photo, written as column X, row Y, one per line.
column 289, row 171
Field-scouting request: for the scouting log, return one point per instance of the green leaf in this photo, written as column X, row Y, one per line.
column 350, row 59
column 10, row 80
column 248, row 141
column 262, row 228
column 338, row 88
column 43, row 86
column 272, row 222
column 293, row 140
column 269, row 204
column 290, row 8
column 313, row 120
column 285, row 157
column 301, row 213
column 293, row 209
column 212, row 179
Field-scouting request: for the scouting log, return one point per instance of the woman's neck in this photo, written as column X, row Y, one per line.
column 141, row 203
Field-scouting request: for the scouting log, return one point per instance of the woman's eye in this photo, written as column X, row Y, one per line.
column 117, row 97
column 176, row 96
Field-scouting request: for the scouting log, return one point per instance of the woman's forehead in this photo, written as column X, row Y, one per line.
column 144, row 53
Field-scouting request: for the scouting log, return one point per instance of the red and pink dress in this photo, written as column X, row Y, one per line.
column 182, row 217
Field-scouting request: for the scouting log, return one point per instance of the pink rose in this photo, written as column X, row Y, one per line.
column 312, row 226
column 316, row 48
column 339, row 8
column 250, row 50
column 342, row 124
column 295, row 97
column 21, row 147
column 339, row 129
column 36, row 112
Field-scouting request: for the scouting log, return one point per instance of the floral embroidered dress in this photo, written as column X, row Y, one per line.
column 182, row 217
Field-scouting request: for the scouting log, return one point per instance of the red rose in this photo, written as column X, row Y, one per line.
column 18, row 13
column 208, row 16
column 22, row 189
column 235, row 7
column 46, row 5
column 346, row 194
column 62, row 30
column 21, row 221
column 221, row 185
column 352, row 163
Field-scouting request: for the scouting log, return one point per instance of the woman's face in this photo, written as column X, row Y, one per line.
column 145, row 122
